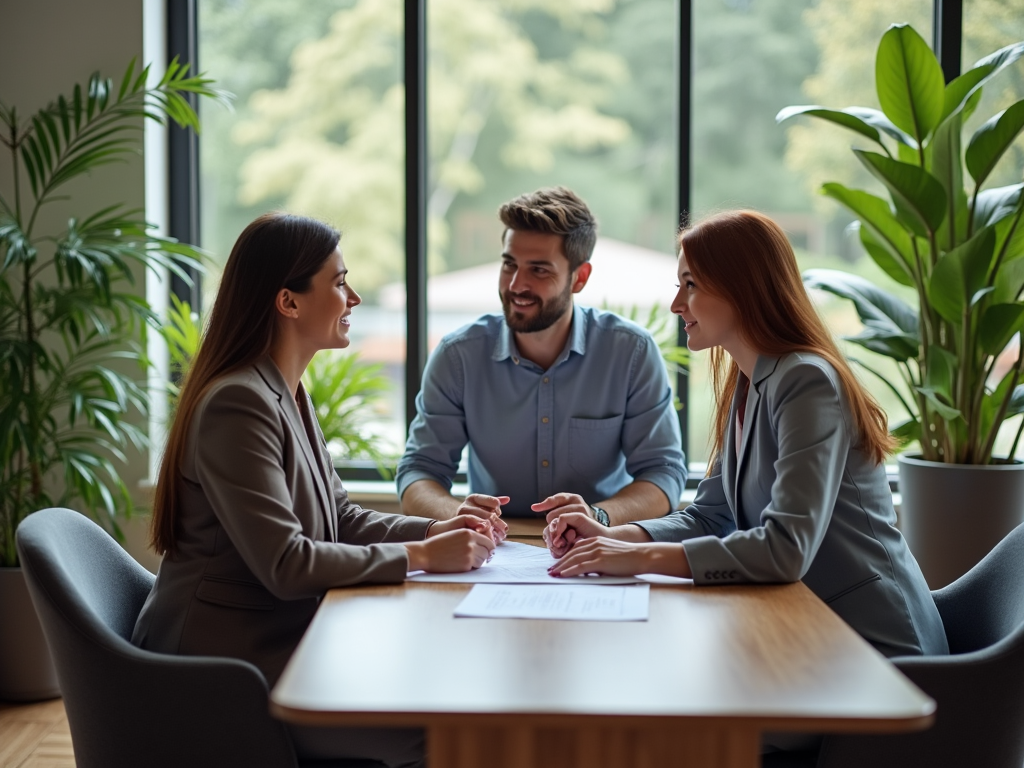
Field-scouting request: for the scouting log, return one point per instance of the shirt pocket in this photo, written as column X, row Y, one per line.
column 595, row 446
column 235, row 593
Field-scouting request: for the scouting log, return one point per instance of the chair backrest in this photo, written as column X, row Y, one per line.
column 126, row 706
column 986, row 605
column 978, row 688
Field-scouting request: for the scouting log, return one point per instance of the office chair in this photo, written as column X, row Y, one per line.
column 979, row 687
column 128, row 707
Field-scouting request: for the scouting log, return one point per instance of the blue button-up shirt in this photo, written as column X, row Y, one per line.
column 600, row 417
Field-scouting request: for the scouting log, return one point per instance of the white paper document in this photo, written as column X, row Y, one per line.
column 540, row 601
column 517, row 563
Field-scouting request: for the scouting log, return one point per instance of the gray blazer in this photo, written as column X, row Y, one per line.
column 800, row 501
column 264, row 529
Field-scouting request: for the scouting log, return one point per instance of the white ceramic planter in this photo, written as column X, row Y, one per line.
column 26, row 669
column 952, row 515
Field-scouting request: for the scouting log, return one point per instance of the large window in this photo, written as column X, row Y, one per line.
column 527, row 93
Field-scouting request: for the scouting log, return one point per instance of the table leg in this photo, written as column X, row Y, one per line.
column 675, row 746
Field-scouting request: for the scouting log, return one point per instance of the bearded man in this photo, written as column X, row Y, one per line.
column 564, row 408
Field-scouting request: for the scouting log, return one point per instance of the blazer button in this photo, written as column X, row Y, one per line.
column 732, row 574
column 707, row 575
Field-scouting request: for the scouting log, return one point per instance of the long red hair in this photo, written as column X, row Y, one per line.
column 745, row 258
column 276, row 251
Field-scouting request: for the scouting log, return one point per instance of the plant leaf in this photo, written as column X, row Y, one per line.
column 839, row 117
column 913, row 188
column 968, row 85
column 994, row 205
column 911, row 88
column 894, row 268
column 875, row 214
column 946, row 165
column 999, row 323
column 991, row 140
column 947, row 412
column 960, row 274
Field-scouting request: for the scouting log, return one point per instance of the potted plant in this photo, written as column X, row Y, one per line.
column 70, row 327
column 960, row 250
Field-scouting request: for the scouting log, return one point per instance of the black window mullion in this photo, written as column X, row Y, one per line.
column 947, row 34
column 684, row 59
column 415, row 200
column 183, row 150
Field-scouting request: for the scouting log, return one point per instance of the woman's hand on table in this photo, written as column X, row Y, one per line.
column 611, row 557
column 486, row 508
column 459, row 544
column 566, row 529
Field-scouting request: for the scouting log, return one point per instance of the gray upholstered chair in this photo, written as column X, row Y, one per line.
column 979, row 687
column 128, row 707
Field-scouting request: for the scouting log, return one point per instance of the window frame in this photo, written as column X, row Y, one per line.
column 183, row 177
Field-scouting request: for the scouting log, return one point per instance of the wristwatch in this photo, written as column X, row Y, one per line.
column 600, row 515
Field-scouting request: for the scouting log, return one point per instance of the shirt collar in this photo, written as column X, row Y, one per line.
column 505, row 346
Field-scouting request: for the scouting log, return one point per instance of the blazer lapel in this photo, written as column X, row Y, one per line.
column 270, row 373
column 764, row 368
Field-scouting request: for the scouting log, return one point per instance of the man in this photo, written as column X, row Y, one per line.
column 565, row 409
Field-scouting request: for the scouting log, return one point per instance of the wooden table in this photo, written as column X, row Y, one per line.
column 695, row 686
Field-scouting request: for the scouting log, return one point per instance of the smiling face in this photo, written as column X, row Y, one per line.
column 323, row 310
column 710, row 320
column 536, row 285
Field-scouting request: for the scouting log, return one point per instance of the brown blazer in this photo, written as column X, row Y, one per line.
column 264, row 529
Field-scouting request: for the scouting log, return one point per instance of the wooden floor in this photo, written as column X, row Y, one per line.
column 35, row 736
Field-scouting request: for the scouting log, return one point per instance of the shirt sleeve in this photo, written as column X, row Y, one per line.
column 814, row 440
column 437, row 434
column 651, row 440
column 239, row 462
column 708, row 515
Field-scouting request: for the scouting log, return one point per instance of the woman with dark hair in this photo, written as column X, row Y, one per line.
column 253, row 523
column 796, row 487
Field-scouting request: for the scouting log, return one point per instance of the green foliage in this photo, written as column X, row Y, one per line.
column 345, row 391
column 69, row 324
column 958, row 248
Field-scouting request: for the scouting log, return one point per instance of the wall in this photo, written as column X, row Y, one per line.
column 48, row 46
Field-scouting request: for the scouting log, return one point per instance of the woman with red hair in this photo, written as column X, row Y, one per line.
column 796, row 488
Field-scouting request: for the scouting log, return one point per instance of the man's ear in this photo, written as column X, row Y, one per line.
column 581, row 276
column 285, row 304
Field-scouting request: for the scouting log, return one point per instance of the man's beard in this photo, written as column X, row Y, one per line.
column 550, row 311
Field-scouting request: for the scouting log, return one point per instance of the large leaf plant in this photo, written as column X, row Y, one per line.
column 959, row 247
column 71, row 322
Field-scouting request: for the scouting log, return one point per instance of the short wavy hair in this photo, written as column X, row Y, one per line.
column 554, row 211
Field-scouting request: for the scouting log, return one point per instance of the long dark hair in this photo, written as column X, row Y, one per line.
column 275, row 251
column 745, row 258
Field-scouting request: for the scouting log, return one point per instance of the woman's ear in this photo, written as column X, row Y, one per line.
column 285, row 304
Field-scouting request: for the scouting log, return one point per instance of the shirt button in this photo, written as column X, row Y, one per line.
column 546, row 379
column 544, row 420
column 544, row 463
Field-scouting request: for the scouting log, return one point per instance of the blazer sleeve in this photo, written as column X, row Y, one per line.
column 708, row 515
column 814, row 441
column 239, row 449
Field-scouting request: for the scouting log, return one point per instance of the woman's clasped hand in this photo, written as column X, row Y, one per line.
column 462, row 543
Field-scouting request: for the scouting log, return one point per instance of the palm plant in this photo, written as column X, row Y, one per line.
column 960, row 250
column 70, row 325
